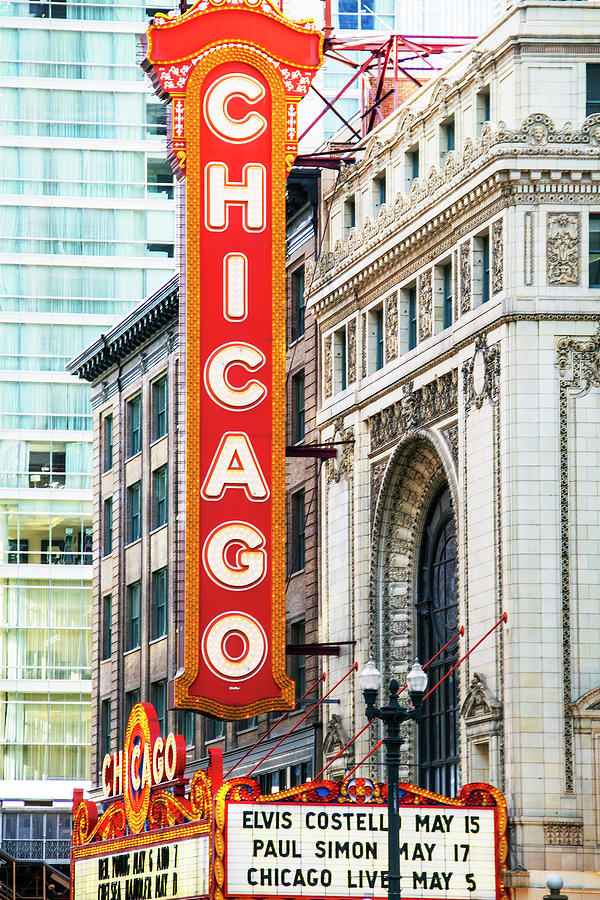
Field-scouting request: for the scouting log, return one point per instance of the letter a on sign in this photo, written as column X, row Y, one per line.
column 235, row 71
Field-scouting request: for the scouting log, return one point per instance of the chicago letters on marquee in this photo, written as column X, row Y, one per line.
column 235, row 71
column 323, row 839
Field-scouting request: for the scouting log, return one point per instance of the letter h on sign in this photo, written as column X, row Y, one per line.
column 235, row 72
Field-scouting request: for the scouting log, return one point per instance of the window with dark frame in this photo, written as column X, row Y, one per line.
column 437, row 622
column 160, row 582
column 160, row 421
column 298, row 411
column 594, row 250
column 134, row 425
column 340, row 371
column 108, row 442
column 107, row 626
column 592, row 89
column 298, row 544
column 158, row 698
column 447, row 138
column 108, row 527
column 214, row 729
column 349, row 215
column 299, row 303
column 160, row 506
column 485, row 267
column 134, row 512
column 105, row 727
column 412, row 317
column 298, row 636
column 186, row 726
column 131, row 698
column 134, row 609
column 379, row 338
column 447, row 298
column 248, row 724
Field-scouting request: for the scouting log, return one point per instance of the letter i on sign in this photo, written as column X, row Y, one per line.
column 233, row 139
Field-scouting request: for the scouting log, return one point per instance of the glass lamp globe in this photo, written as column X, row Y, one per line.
column 370, row 677
column 417, row 678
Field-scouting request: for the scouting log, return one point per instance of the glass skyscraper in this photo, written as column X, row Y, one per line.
column 86, row 231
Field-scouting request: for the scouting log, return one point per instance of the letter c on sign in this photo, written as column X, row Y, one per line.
column 216, row 375
column 216, row 113
column 234, row 555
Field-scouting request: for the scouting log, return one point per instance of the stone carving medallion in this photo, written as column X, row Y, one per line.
column 563, row 248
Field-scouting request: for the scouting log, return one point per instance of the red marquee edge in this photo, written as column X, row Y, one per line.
column 173, row 816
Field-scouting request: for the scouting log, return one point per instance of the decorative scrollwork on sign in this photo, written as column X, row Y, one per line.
column 563, row 248
column 416, row 407
column 481, row 374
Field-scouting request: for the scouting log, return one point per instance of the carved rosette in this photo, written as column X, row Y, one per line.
column 425, row 305
column 465, row 277
column 328, row 367
column 351, row 351
column 563, row 248
column 391, row 327
column 497, row 256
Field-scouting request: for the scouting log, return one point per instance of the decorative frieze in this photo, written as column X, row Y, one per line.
column 465, row 277
column 328, row 367
column 364, row 345
column 391, row 327
column 563, row 248
column 425, row 305
column 418, row 407
column 528, row 249
column 343, row 464
column 351, row 333
column 497, row 256
column 563, row 834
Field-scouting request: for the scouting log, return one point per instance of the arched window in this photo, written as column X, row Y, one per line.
column 437, row 622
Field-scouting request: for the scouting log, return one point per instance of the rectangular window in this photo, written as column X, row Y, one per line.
column 159, row 408
column 375, row 351
column 447, row 283
column 108, row 526
column 379, row 193
column 214, row 729
column 134, row 425
column 298, row 636
column 105, row 727
column 246, row 724
column 134, row 609
column 159, row 603
column 298, row 546
column 594, row 250
column 158, row 698
column 349, row 215
column 186, row 725
column 447, row 138
column 411, row 166
column 340, row 372
column 482, row 108
column 131, row 698
column 134, row 512
column 592, row 92
column 107, row 626
column 298, row 301
column 108, row 442
column 160, row 506
column 412, row 317
column 298, row 413
column 481, row 269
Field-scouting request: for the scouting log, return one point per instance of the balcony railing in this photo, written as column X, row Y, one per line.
column 45, row 850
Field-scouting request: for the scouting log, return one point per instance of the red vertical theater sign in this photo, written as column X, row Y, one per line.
column 235, row 71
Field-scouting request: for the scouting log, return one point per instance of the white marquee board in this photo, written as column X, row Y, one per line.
column 340, row 851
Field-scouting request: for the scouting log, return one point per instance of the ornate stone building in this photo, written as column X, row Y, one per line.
column 460, row 352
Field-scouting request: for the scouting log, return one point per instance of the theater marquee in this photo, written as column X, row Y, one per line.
column 235, row 71
column 161, row 838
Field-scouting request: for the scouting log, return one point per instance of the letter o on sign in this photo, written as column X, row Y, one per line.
column 234, row 646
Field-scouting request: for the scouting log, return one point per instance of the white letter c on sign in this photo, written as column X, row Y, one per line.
column 216, row 102
column 216, row 376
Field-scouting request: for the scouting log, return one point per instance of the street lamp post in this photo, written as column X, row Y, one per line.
column 392, row 716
